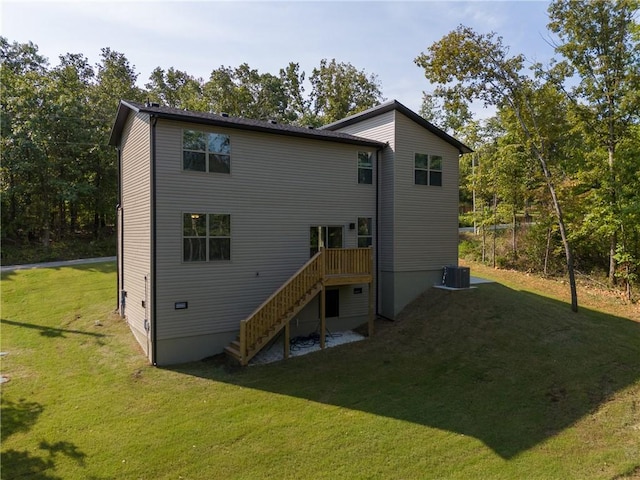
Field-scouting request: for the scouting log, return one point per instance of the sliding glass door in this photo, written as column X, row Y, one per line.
column 326, row 236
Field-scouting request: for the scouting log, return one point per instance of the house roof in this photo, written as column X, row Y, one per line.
column 127, row 107
column 395, row 105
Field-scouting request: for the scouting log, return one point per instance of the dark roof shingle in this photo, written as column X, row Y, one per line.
column 231, row 122
column 395, row 105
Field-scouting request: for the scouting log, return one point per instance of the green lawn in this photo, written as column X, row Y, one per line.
column 490, row 383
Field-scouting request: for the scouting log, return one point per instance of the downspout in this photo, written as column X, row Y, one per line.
column 377, row 276
column 154, row 120
column 119, row 284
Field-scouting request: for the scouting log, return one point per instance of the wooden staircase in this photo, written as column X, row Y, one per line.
column 327, row 267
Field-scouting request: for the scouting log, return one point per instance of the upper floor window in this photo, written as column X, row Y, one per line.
column 428, row 169
column 206, row 237
column 365, row 167
column 206, row 152
column 365, row 235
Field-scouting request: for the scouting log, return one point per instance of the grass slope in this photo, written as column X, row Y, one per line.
column 491, row 383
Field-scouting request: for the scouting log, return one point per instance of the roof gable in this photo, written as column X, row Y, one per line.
column 127, row 107
column 395, row 105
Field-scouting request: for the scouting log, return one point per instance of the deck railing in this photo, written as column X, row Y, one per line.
column 347, row 261
column 276, row 312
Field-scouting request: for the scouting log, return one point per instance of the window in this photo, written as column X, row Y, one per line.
column 206, row 152
column 428, row 169
column 206, row 237
column 364, row 232
column 365, row 168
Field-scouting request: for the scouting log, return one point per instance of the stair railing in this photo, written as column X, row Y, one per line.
column 269, row 315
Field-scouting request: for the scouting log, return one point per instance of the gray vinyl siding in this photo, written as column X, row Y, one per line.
column 426, row 217
column 382, row 129
column 136, row 198
column 418, row 223
column 278, row 188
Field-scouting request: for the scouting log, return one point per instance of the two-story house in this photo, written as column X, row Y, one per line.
column 231, row 228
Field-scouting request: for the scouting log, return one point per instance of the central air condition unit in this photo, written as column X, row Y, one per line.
column 456, row 277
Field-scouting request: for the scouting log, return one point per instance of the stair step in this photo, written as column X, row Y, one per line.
column 235, row 353
column 233, row 350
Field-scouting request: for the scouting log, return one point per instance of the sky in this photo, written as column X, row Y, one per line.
column 381, row 38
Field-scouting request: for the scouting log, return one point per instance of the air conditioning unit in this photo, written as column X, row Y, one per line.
column 456, row 277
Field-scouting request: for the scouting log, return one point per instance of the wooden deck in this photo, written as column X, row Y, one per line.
column 329, row 267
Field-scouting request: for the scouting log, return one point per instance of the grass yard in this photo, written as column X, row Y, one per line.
column 499, row 382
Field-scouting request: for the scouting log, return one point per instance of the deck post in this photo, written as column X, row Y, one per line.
column 371, row 292
column 323, row 320
column 287, row 337
column 243, row 343
column 371, row 310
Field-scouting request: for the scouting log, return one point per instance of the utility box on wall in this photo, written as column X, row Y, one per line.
column 456, row 277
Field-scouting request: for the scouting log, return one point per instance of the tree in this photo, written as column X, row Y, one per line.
column 176, row 89
column 245, row 92
column 597, row 37
column 469, row 66
column 298, row 109
column 68, row 142
column 628, row 248
column 339, row 90
column 25, row 171
column 115, row 80
column 58, row 175
column 446, row 113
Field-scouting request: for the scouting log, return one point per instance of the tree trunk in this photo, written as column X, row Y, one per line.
column 97, row 200
column 473, row 193
column 514, row 241
column 96, row 225
column 62, row 218
column 613, row 246
column 484, row 244
column 563, row 232
column 613, row 243
column 46, row 232
column 495, row 226
column 546, row 252
column 556, row 206
column 73, row 221
column 484, row 233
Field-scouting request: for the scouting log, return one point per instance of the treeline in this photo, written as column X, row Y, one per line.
column 59, row 176
column 560, row 161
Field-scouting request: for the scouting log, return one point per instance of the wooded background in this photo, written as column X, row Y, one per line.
column 559, row 161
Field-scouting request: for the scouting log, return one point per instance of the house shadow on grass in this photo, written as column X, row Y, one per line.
column 509, row 368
